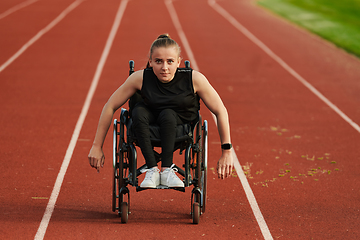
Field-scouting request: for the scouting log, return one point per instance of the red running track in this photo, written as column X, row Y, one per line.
column 301, row 159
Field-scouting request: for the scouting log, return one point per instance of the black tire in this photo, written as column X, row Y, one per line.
column 114, row 193
column 196, row 213
column 121, row 156
column 204, row 158
column 115, row 166
column 196, row 156
column 124, row 212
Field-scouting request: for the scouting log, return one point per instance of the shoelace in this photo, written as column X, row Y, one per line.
column 149, row 172
column 172, row 172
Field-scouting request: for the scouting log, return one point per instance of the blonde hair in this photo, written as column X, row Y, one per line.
column 164, row 40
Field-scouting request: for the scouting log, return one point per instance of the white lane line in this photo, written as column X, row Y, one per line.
column 17, row 7
column 56, row 190
column 249, row 194
column 267, row 50
column 40, row 34
column 252, row 200
column 181, row 33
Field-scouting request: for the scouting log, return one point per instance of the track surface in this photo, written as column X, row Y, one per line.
column 301, row 159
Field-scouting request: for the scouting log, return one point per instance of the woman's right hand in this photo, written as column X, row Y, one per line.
column 96, row 158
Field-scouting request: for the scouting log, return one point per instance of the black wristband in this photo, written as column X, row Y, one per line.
column 226, row 146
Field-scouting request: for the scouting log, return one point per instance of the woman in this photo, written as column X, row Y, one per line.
column 160, row 85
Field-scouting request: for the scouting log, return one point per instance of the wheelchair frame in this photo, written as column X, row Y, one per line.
column 126, row 171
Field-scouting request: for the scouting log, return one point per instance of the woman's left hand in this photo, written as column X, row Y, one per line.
column 96, row 158
column 225, row 164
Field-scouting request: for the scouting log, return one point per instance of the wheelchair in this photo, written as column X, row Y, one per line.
column 191, row 138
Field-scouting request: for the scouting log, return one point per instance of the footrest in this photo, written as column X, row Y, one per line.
column 181, row 189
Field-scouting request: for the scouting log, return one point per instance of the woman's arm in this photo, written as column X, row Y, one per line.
column 118, row 98
column 214, row 103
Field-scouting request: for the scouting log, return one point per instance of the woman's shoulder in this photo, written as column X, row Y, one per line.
column 137, row 74
column 136, row 79
column 199, row 80
column 198, row 77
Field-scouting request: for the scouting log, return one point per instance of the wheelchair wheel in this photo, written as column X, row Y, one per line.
column 120, row 170
column 124, row 212
column 115, row 192
column 121, row 157
column 204, row 160
column 196, row 213
column 197, row 154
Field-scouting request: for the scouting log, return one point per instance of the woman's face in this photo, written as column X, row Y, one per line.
column 165, row 61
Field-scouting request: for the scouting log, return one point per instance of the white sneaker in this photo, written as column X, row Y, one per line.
column 152, row 178
column 170, row 179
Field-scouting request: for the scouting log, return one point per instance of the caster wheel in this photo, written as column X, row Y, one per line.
column 124, row 212
column 196, row 213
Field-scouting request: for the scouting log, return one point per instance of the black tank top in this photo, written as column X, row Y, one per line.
column 178, row 94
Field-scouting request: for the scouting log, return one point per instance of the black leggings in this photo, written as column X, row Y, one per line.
column 167, row 120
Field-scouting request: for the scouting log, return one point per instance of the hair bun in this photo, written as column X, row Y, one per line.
column 166, row 35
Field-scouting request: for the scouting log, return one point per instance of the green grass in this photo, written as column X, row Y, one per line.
column 337, row 21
